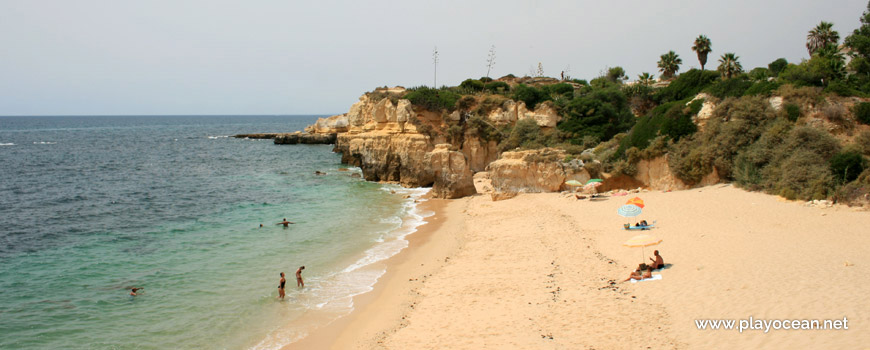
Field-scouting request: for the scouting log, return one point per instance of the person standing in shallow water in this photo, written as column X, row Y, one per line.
column 285, row 223
column 299, row 282
column 281, row 283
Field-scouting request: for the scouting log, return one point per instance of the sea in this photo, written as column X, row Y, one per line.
column 92, row 206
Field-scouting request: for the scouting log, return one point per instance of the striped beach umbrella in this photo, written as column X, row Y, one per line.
column 593, row 180
column 629, row 211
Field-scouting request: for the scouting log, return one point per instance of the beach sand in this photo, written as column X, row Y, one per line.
column 537, row 272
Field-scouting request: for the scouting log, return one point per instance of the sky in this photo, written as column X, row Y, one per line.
column 183, row 57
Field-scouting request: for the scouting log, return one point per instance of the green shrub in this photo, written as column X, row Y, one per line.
column 762, row 88
column 485, row 79
column 734, row 125
column 842, row 88
column 862, row 112
column 601, row 113
column 433, row 99
column 498, row 87
column 777, row 66
column 648, row 126
column 801, row 75
column 792, row 111
column 846, row 166
column 695, row 106
column 759, row 73
column 479, row 126
column 686, row 85
column 640, row 97
column 580, row 81
column 471, row 85
column 678, row 123
column 734, row 87
column 560, row 89
column 801, row 95
column 465, row 103
column 803, row 175
column 489, row 104
column 526, row 134
column 529, row 94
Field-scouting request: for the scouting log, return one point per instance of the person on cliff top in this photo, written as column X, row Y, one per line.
column 285, row 223
column 299, row 282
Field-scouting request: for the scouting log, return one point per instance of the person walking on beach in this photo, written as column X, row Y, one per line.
column 285, row 223
column 281, row 283
column 299, row 282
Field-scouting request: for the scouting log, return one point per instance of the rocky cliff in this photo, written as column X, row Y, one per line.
column 535, row 171
column 387, row 137
column 381, row 135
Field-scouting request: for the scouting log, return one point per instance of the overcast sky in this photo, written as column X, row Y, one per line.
column 89, row 57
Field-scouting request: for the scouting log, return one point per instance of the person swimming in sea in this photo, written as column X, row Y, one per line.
column 134, row 290
column 285, row 223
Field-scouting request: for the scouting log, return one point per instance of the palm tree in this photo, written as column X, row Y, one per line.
column 669, row 64
column 822, row 35
column 646, row 79
column 729, row 66
column 702, row 47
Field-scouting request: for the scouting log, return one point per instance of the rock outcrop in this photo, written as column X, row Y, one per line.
column 387, row 157
column 332, row 125
column 450, row 170
column 510, row 112
column 534, row 171
column 305, row 138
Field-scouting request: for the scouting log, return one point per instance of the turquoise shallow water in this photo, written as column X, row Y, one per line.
column 90, row 206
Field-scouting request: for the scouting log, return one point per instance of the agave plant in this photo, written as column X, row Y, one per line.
column 702, row 47
column 669, row 64
column 820, row 36
column 729, row 66
column 646, row 79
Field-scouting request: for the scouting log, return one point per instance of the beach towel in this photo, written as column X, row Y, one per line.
column 654, row 278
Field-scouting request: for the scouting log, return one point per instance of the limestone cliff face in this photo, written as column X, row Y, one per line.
column 510, row 112
column 384, row 156
column 453, row 176
column 534, row 171
column 656, row 174
column 380, row 135
column 479, row 152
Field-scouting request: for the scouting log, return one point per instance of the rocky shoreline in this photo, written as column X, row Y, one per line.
column 293, row 138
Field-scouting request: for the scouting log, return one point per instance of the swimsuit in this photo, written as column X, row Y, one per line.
column 281, row 286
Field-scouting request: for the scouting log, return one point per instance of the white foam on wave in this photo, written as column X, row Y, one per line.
column 218, row 137
column 334, row 293
column 7, row 144
column 44, row 143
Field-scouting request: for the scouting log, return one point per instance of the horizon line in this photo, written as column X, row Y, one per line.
column 166, row 115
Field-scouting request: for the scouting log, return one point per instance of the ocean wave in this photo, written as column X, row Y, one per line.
column 218, row 137
column 44, row 143
column 333, row 293
column 7, row 144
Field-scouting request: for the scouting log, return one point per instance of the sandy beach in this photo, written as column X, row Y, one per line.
column 538, row 271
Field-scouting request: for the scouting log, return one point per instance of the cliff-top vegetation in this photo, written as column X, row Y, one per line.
column 796, row 129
